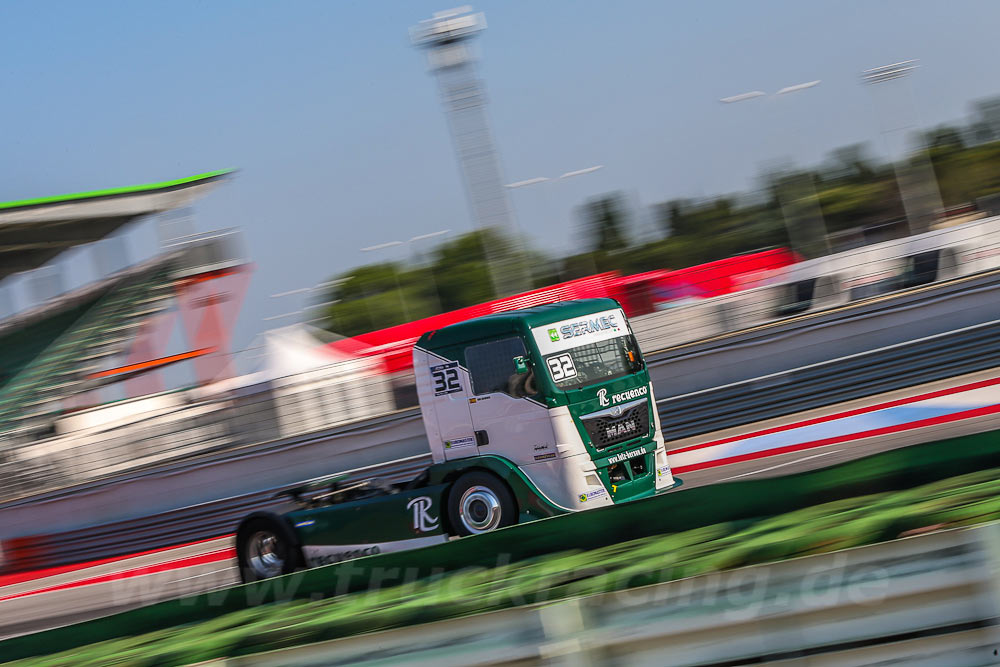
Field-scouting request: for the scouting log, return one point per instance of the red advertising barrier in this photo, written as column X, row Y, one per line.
column 639, row 294
column 23, row 553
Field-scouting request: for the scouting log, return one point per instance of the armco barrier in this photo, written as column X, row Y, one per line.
column 208, row 478
column 825, row 335
column 886, row 369
column 928, row 600
column 184, row 525
column 669, row 513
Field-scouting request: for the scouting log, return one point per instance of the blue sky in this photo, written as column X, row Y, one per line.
column 334, row 122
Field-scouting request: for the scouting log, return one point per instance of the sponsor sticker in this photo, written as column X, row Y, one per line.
column 303, row 524
column 663, row 471
column 457, row 443
column 545, row 457
column 595, row 324
column 593, row 328
column 624, row 456
column 340, row 556
column 591, row 495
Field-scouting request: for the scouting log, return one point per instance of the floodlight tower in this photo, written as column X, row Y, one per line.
column 447, row 38
column 915, row 175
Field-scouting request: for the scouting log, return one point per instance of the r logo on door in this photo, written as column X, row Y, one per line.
column 423, row 522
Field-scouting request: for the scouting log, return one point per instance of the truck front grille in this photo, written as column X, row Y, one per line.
column 615, row 425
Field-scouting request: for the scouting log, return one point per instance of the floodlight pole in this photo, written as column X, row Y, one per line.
column 447, row 39
column 799, row 203
column 917, row 182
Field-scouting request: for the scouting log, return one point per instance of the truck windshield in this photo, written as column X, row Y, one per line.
column 594, row 362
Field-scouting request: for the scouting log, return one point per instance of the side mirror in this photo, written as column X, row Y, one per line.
column 522, row 384
column 520, row 365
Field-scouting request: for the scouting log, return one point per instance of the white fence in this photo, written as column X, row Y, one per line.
column 106, row 441
column 829, row 282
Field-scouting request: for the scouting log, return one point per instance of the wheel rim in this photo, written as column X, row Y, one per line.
column 263, row 556
column 479, row 509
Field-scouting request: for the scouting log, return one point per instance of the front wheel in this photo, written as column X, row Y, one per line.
column 265, row 548
column 479, row 502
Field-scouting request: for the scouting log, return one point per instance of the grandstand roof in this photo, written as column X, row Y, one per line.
column 34, row 231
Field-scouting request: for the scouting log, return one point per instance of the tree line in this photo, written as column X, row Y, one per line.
column 850, row 190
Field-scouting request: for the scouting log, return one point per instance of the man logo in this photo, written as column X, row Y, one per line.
column 616, row 411
column 602, row 396
column 423, row 522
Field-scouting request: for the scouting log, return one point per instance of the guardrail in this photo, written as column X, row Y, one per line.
column 187, row 524
column 824, row 336
column 848, row 277
column 928, row 600
column 933, row 358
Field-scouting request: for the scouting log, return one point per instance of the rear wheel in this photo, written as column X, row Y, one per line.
column 265, row 548
column 479, row 502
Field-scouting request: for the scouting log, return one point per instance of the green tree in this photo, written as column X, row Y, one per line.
column 853, row 191
column 604, row 221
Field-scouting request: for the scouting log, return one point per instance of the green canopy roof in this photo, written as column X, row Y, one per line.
column 35, row 231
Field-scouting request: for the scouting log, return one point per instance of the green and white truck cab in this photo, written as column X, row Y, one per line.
column 560, row 391
column 528, row 414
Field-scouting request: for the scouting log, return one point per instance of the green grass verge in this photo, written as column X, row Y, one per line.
column 957, row 501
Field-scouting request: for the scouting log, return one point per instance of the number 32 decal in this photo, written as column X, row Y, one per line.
column 445, row 378
column 561, row 367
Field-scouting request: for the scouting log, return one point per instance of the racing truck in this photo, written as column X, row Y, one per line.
column 528, row 413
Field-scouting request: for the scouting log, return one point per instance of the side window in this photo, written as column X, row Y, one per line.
column 492, row 364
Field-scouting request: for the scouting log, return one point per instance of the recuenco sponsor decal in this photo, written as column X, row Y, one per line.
column 621, row 397
column 348, row 554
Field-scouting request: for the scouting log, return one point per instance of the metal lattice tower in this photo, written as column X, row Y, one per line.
column 447, row 37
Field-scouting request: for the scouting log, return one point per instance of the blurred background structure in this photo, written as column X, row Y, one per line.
column 109, row 339
column 448, row 39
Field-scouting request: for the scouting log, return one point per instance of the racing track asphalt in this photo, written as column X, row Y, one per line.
column 91, row 592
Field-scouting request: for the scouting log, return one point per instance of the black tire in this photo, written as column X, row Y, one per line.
column 479, row 502
column 266, row 547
